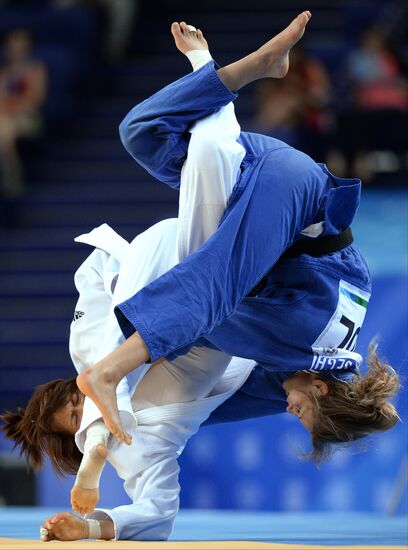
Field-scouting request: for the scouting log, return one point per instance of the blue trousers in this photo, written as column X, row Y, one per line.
column 281, row 191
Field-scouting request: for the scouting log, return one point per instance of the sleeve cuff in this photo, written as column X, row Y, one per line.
column 102, row 513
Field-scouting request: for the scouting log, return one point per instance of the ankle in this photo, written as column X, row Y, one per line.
column 198, row 58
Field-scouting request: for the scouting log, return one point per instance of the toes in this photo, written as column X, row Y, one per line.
column 187, row 29
column 304, row 17
column 175, row 29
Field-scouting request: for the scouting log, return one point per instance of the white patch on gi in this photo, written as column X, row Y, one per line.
column 334, row 348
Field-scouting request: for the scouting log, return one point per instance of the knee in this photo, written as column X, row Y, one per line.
column 134, row 131
column 138, row 136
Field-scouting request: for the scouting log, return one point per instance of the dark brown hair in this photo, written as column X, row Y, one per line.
column 31, row 429
column 351, row 411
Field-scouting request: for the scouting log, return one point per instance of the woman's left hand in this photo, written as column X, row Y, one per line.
column 65, row 526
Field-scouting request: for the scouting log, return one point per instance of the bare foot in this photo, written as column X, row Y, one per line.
column 186, row 39
column 270, row 61
column 101, row 388
column 276, row 51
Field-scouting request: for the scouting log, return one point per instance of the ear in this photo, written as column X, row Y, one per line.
column 322, row 388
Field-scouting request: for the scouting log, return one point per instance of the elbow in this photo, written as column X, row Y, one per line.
column 166, row 531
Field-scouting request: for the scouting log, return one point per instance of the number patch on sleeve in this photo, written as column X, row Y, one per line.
column 334, row 348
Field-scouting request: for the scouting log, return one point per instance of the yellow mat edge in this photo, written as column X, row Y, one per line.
column 19, row 544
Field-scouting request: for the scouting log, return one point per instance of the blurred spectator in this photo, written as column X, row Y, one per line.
column 23, row 84
column 297, row 108
column 373, row 116
column 119, row 15
column 375, row 75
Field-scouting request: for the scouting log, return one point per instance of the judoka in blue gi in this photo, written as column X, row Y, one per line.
column 278, row 282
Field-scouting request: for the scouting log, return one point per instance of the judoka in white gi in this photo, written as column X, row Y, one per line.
column 170, row 401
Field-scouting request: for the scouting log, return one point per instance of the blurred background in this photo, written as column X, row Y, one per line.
column 69, row 71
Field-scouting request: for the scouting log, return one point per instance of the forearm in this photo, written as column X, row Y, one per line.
column 101, row 529
column 94, row 459
column 152, row 486
column 107, row 529
column 85, row 492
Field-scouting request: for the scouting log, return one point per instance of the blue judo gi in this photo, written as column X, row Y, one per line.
column 309, row 312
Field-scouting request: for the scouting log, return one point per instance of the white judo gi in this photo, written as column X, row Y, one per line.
column 116, row 270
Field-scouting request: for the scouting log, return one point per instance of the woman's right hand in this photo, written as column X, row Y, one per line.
column 66, row 526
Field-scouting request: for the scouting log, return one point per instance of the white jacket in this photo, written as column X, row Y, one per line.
column 114, row 271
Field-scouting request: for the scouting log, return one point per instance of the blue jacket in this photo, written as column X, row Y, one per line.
column 280, row 192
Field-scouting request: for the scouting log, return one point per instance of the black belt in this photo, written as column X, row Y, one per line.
column 320, row 245
column 313, row 247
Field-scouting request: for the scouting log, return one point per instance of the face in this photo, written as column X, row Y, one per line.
column 300, row 389
column 68, row 418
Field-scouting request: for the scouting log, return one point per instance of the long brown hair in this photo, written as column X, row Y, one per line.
column 31, row 429
column 351, row 411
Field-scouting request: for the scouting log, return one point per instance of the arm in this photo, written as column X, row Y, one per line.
column 150, row 470
column 155, row 495
column 163, row 432
column 85, row 493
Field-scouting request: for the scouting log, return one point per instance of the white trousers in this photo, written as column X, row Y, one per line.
column 208, row 177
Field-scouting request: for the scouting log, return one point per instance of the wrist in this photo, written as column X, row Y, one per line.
column 94, row 529
column 85, row 534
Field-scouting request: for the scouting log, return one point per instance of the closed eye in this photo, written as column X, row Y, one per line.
column 74, row 418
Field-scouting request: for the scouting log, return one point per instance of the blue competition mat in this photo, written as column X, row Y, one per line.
column 318, row 528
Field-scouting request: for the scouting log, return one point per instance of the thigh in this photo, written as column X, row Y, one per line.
column 208, row 177
column 186, row 378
